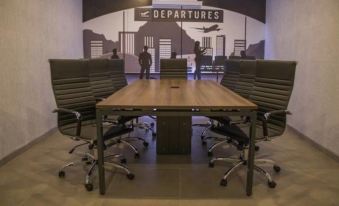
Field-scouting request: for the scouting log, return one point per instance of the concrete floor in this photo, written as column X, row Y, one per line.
column 308, row 177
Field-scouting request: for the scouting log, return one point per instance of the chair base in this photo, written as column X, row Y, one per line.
column 237, row 162
column 126, row 141
column 89, row 159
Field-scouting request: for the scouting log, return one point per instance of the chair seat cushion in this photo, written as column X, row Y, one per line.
column 115, row 131
column 233, row 132
column 241, row 134
column 89, row 131
column 125, row 119
column 226, row 119
column 222, row 120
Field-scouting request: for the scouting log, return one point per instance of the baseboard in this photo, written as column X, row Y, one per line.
column 24, row 148
column 315, row 144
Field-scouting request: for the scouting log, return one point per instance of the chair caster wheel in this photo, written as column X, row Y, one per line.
column 276, row 168
column 136, row 156
column 145, row 144
column 203, row 143
column 211, row 164
column 89, row 187
column 123, row 161
column 130, row 176
column 61, row 174
column 209, row 153
column 223, row 183
column 272, row 184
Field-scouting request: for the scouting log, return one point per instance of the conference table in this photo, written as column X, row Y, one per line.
column 175, row 98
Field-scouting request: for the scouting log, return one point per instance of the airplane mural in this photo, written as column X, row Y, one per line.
column 214, row 27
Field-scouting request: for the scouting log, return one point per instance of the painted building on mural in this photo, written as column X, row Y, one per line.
column 167, row 26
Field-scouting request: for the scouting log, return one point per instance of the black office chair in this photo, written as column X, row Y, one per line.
column 118, row 73
column 243, row 87
column 101, row 73
column 76, row 115
column 220, row 60
column 229, row 80
column 246, row 79
column 235, row 57
column 206, row 62
column 231, row 74
column 100, row 76
column 219, row 65
column 119, row 81
column 173, row 68
column 272, row 90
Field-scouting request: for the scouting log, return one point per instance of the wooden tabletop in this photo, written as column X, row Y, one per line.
column 175, row 94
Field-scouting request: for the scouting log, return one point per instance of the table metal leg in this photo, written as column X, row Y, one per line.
column 251, row 153
column 100, row 142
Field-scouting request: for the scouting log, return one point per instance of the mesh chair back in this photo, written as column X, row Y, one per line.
column 231, row 74
column 117, row 67
column 246, row 79
column 71, row 87
column 272, row 91
column 100, row 76
column 220, row 60
column 207, row 60
column 173, row 69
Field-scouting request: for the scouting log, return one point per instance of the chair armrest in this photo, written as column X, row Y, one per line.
column 99, row 99
column 77, row 116
column 63, row 110
column 267, row 116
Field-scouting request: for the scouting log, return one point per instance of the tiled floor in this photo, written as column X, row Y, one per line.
column 308, row 177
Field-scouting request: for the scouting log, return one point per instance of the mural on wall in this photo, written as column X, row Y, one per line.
column 172, row 26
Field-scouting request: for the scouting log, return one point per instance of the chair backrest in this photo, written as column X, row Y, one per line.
column 245, row 84
column 100, row 76
column 117, row 67
column 220, row 60
column 249, row 57
column 231, row 74
column 173, row 68
column 272, row 91
column 207, row 60
column 234, row 57
column 72, row 90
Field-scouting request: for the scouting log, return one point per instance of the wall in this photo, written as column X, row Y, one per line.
column 31, row 32
column 308, row 31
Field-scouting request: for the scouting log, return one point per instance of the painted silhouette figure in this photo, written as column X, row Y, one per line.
column 173, row 55
column 199, row 53
column 115, row 55
column 243, row 54
column 145, row 61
